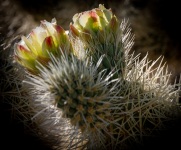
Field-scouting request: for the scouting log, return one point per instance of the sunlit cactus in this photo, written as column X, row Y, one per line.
column 81, row 93
column 85, row 90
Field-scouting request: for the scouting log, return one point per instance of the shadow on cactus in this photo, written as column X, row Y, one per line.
column 86, row 90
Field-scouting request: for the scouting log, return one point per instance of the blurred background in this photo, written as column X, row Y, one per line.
column 155, row 23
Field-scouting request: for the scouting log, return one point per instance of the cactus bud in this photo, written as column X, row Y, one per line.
column 35, row 48
column 99, row 30
column 94, row 22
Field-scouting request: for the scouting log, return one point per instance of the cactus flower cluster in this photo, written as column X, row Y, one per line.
column 94, row 23
column 107, row 97
column 37, row 46
column 99, row 29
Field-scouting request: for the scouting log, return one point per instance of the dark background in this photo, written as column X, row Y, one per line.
column 155, row 23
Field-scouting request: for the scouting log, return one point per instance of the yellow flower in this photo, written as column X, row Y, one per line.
column 94, row 23
column 100, row 32
column 35, row 48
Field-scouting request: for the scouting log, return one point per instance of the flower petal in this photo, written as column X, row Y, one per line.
column 48, row 46
column 73, row 30
column 29, row 45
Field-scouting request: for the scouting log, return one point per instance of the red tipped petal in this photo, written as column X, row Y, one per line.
column 73, row 30
column 114, row 23
column 59, row 29
column 49, row 41
column 94, row 16
column 23, row 52
column 22, row 48
column 48, row 45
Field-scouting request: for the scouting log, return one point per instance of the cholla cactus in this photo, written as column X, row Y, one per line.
column 147, row 100
column 100, row 31
column 105, row 96
column 81, row 93
column 34, row 49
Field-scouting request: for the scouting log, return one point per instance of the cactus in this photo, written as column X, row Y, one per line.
column 100, row 31
column 147, row 100
column 84, row 89
column 82, row 93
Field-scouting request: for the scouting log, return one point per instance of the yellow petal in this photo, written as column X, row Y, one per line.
column 48, row 45
column 29, row 45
